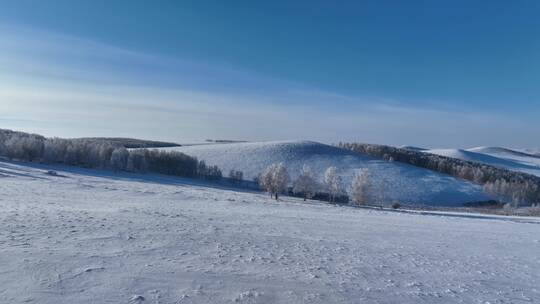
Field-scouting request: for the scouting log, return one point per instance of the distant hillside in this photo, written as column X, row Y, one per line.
column 225, row 141
column 413, row 148
column 132, row 143
column 393, row 180
column 502, row 152
column 535, row 152
column 495, row 156
column 508, row 185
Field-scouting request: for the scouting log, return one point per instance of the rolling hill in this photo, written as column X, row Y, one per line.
column 495, row 156
column 394, row 181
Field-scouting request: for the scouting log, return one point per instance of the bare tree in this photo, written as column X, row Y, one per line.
column 361, row 187
column 305, row 184
column 119, row 159
column 275, row 179
column 333, row 183
column 136, row 161
column 236, row 176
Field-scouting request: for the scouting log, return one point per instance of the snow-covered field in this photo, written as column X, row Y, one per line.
column 397, row 181
column 96, row 237
column 495, row 156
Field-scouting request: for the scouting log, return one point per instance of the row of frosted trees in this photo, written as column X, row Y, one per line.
column 275, row 180
column 101, row 154
column 508, row 186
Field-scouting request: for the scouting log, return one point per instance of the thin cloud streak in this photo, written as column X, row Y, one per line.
column 73, row 87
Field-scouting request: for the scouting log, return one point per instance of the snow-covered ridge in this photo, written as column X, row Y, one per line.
column 495, row 156
column 502, row 151
column 397, row 181
column 412, row 148
column 532, row 151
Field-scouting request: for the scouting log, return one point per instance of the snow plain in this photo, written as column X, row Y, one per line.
column 88, row 236
column 495, row 156
column 396, row 181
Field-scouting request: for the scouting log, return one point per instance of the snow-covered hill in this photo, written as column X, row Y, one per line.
column 396, row 181
column 532, row 151
column 413, row 148
column 88, row 236
column 504, row 152
column 495, row 156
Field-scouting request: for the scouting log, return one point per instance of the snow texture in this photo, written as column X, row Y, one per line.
column 86, row 236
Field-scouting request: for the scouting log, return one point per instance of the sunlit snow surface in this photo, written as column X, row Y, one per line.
column 96, row 237
column 495, row 156
column 396, row 181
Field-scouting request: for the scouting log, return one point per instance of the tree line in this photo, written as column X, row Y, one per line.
column 275, row 180
column 508, row 186
column 101, row 154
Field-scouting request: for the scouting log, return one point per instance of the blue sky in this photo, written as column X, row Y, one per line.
column 430, row 73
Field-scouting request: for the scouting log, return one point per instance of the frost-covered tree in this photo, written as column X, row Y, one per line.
column 265, row 180
column 361, row 187
column 26, row 147
column 137, row 161
column 98, row 153
column 478, row 176
column 214, row 173
column 305, row 184
column 202, row 169
column 208, row 172
column 171, row 163
column 515, row 194
column 333, row 183
column 54, row 150
column 119, row 158
column 236, row 176
column 239, row 175
column 274, row 180
column 521, row 188
column 71, row 157
column 105, row 153
column 499, row 189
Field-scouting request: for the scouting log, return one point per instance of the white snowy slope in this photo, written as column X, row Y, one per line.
column 533, row 151
column 496, row 156
column 90, row 237
column 397, row 181
column 413, row 148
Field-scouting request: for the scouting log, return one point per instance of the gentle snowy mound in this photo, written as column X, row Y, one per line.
column 501, row 152
column 495, row 156
column 85, row 236
column 392, row 180
column 412, row 148
column 532, row 151
column 472, row 157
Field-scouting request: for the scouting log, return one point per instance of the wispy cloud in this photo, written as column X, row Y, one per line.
column 67, row 86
